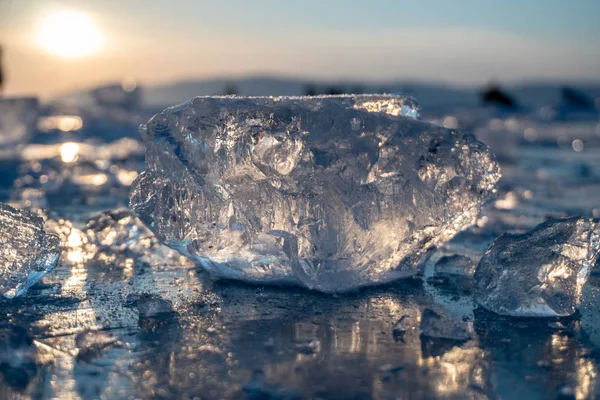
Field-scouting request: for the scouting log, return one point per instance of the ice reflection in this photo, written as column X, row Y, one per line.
column 304, row 339
column 64, row 123
column 75, row 247
column 557, row 352
column 458, row 369
column 69, row 152
column 355, row 357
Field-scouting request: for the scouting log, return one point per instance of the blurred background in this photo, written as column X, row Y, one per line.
column 441, row 51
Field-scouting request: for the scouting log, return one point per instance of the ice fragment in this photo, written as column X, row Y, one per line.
column 27, row 253
column 540, row 273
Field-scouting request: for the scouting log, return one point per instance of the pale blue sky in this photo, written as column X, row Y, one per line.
column 463, row 42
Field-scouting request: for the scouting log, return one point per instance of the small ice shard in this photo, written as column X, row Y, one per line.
column 438, row 326
column 27, row 253
column 540, row 273
column 115, row 229
column 327, row 192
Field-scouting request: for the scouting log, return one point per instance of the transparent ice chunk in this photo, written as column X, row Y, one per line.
column 540, row 273
column 27, row 253
column 328, row 192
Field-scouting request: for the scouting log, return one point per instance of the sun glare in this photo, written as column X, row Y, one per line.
column 69, row 34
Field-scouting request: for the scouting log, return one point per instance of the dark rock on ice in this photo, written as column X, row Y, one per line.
column 540, row 273
column 495, row 96
column 327, row 192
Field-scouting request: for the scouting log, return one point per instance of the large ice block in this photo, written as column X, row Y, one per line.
column 540, row 273
column 328, row 192
column 27, row 253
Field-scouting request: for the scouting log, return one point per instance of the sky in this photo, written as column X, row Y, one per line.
column 460, row 42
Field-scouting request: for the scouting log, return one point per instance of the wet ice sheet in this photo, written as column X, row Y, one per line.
column 186, row 336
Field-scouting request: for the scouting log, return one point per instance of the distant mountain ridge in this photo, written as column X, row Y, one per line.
column 428, row 94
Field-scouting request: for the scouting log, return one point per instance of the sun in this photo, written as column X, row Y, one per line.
column 69, row 34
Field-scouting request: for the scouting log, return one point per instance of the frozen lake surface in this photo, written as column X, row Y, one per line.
column 141, row 321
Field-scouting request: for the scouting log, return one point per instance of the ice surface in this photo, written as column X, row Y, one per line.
column 438, row 326
column 27, row 253
column 540, row 273
column 328, row 192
